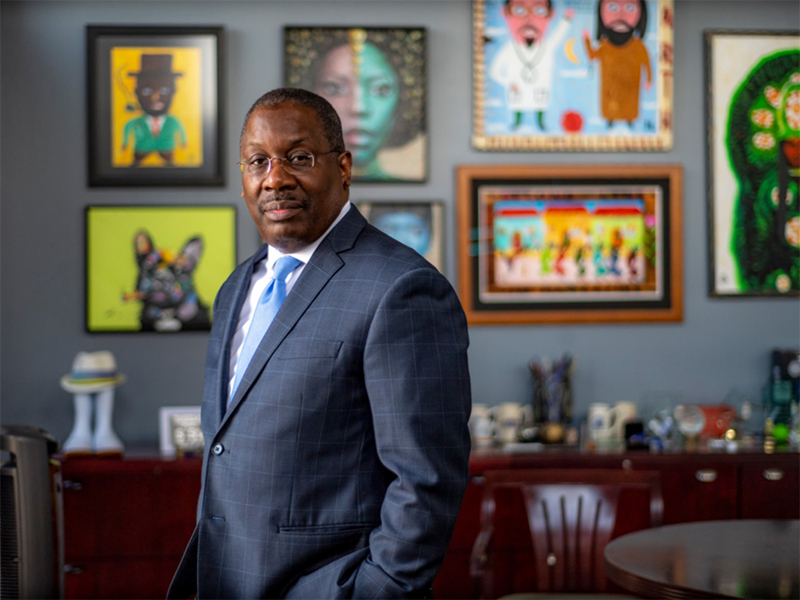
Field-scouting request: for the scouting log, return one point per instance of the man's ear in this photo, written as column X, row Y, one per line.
column 346, row 168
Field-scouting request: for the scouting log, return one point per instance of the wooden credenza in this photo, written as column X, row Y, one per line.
column 126, row 524
column 127, row 521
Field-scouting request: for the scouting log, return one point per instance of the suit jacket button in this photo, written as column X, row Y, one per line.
column 217, row 449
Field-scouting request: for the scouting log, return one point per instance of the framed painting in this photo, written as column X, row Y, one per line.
column 375, row 78
column 572, row 75
column 570, row 244
column 154, row 104
column 156, row 268
column 419, row 225
column 753, row 174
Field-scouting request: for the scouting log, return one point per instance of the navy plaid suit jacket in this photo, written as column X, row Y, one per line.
column 339, row 468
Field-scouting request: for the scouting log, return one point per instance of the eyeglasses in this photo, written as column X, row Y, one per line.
column 299, row 161
column 520, row 10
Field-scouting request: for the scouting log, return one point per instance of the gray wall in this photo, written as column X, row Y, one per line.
column 721, row 345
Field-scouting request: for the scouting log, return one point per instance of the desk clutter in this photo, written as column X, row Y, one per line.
column 735, row 424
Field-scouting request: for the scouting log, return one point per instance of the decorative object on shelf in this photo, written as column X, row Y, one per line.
column 572, row 76
column 509, row 419
column 552, row 397
column 719, row 418
column 690, row 421
column 154, row 105
column 782, row 393
column 156, row 268
column 661, row 430
column 92, row 381
column 419, row 225
column 481, row 426
column 753, row 173
column 375, row 78
column 180, row 431
column 570, row 243
column 606, row 423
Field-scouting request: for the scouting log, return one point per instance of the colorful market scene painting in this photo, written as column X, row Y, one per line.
column 754, row 130
column 577, row 243
column 573, row 74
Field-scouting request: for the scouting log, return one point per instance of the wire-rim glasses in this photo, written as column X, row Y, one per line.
column 296, row 162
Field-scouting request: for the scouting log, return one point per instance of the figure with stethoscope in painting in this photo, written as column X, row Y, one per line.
column 524, row 65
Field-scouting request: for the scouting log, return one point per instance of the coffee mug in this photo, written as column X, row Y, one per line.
column 509, row 417
column 600, row 426
column 622, row 413
column 481, row 427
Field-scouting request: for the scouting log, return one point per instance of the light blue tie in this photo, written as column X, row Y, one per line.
column 265, row 312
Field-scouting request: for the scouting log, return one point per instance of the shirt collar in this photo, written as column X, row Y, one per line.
column 304, row 255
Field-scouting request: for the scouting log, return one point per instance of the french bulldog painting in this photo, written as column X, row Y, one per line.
column 165, row 286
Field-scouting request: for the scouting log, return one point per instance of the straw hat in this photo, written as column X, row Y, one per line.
column 92, row 372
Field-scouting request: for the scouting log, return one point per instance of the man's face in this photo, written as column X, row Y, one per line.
column 621, row 16
column 155, row 93
column 527, row 20
column 292, row 210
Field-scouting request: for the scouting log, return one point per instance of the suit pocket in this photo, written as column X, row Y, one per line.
column 332, row 529
column 309, row 348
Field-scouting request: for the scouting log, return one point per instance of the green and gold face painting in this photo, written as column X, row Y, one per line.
column 357, row 79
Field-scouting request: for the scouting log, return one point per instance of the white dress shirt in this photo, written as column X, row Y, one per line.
column 262, row 275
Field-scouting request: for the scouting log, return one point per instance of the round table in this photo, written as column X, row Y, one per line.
column 709, row 559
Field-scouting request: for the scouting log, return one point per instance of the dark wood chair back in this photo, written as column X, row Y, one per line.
column 571, row 516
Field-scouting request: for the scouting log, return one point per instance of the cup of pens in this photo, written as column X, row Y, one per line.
column 552, row 396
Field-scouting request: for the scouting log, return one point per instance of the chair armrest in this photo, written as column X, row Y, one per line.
column 479, row 557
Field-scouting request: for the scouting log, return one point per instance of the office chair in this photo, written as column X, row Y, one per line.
column 571, row 517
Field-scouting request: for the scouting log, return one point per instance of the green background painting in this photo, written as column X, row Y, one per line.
column 111, row 267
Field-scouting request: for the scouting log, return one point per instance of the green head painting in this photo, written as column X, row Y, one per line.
column 763, row 138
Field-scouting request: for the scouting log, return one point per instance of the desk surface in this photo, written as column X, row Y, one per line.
column 709, row 559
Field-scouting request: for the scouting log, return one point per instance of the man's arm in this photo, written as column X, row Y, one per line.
column 417, row 378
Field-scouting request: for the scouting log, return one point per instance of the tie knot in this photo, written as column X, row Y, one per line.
column 285, row 265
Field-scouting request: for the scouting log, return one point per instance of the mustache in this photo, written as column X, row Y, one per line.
column 619, row 22
column 530, row 31
column 279, row 201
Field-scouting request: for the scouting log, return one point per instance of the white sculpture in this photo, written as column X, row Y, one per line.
column 93, row 379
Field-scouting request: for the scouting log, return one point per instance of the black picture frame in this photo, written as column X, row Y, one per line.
column 188, row 150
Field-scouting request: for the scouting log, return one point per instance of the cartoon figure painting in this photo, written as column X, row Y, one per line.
column 524, row 65
column 156, row 130
column 622, row 55
column 165, row 286
column 543, row 82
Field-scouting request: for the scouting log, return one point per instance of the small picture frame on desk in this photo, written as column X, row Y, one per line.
column 180, row 431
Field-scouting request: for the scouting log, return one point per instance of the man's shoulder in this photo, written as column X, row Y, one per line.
column 374, row 242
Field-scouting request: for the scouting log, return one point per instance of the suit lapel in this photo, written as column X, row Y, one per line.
column 240, row 287
column 324, row 263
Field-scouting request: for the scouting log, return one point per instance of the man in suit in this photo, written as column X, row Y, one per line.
column 336, row 460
